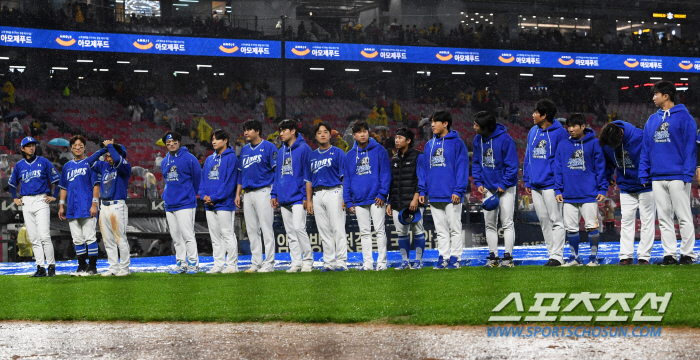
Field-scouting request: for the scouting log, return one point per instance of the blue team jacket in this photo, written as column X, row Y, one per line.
column 219, row 179
column 538, row 166
column 495, row 160
column 182, row 175
column 446, row 167
column 292, row 172
column 579, row 172
column 625, row 160
column 78, row 181
column 367, row 174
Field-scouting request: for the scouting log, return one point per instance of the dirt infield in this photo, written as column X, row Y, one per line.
column 124, row 340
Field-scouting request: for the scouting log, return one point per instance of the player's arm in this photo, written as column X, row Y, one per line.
column 95, row 199
column 476, row 166
column 689, row 150
column 54, row 178
column 510, row 173
column 558, row 176
column 347, row 184
column 305, row 172
column 462, row 179
column 526, row 162
column 384, row 178
column 92, row 159
column 643, row 173
column 196, row 174
column 227, row 187
column 61, row 201
column 599, row 160
column 123, row 167
column 609, row 168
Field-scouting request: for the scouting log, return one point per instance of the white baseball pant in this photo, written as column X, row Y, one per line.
column 330, row 221
column 448, row 227
column 83, row 230
column 403, row 230
column 37, row 219
column 673, row 196
column 223, row 238
column 549, row 213
column 258, row 217
column 574, row 212
column 506, row 207
column 629, row 203
column 366, row 216
column 181, row 224
column 294, row 218
column 113, row 221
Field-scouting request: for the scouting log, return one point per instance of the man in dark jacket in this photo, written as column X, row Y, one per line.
column 406, row 185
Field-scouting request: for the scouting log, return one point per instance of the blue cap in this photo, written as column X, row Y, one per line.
column 490, row 203
column 28, row 140
column 406, row 217
column 168, row 137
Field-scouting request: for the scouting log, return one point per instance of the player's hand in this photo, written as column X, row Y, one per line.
column 600, row 198
column 352, row 210
column 456, row 199
column 388, row 209
column 274, row 203
column 310, row 207
column 413, row 206
column 62, row 212
column 500, row 191
column 108, row 142
column 93, row 210
column 560, row 198
column 18, row 202
column 237, row 201
column 697, row 174
column 528, row 191
column 482, row 190
column 49, row 199
column 421, row 199
column 379, row 202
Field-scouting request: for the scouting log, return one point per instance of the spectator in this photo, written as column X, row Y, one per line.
column 204, row 131
column 15, row 131
column 65, row 156
column 9, row 90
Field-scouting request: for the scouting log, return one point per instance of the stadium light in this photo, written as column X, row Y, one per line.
column 182, row 72
column 203, row 66
column 4, row 58
column 80, row 78
column 59, row 68
column 17, row 67
column 319, row 69
column 104, row 70
column 655, row 78
column 352, row 69
column 684, row 79
column 420, row 72
column 181, row 5
column 525, row 74
column 623, row 77
column 488, row 73
column 84, row 61
column 94, row 69
column 123, row 62
column 559, row 76
column 458, row 73
column 140, row 71
column 590, row 76
column 386, row 71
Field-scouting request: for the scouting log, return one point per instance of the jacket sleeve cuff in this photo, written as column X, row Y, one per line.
column 687, row 179
column 644, row 180
column 422, row 193
column 382, row 197
column 527, row 185
column 557, row 192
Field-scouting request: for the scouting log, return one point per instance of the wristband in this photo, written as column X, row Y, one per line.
column 62, row 202
column 95, row 200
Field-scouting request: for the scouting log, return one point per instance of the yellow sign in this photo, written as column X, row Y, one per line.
column 669, row 15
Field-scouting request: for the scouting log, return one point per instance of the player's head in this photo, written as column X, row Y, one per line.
column 118, row 149
column 360, row 131
column 576, row 124
column 322, row 132
column 664, row 91
column 403, row 139
column 441, row 122
column 172, row 141
column 484, row 123
column 77, row 145
column 252, row 130
column 219, row 140
column 611, row 135
column 545, row 111
column 287, row 129
column 28, row 146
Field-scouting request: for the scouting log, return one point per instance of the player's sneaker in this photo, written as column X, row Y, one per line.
column 440, row 264
column 492, row 261
column 381, row 268
column 624, row 262
column 326, row 269
column 252, row 269
column 507, row 261
column 109, row 273
column 453, row 263
column 685, row 260
column 365, row 268
column 266, row 269
column 340, row 268
column 573, row 261
column 215, row 270
column 642, row 262
column 553, row 263
column 230, row 270
column 668, row 260
column 79, row 272
column 404, row 265
column 51, row 271
column 417, row 265
column 123, row 272
column 191, row 269
column 593, row 261
column 307, row 268
column 90, row 272
column 179, row 270
column 293, row 269
column 40, row 272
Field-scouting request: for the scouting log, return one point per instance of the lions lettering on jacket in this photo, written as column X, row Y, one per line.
column 78, row 181
column 35, row 176
column 256, row 165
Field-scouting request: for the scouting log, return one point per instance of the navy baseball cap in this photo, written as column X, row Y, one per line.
column 490, row 203
column 28, row 140
column 406, row 217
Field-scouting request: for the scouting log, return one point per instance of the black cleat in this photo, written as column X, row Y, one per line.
column 52, row 271
column 685, row 260
column 642, row 262
column 553, row 263
column 625, row 262
column 89, row 272
column 668, row 260
column 40, row 272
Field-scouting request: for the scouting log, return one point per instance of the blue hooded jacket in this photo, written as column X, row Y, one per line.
column 495, row 160
column 625, row 160
column 668, row 146
column 292, row 173
column 219, row 179
column 446, row 167
column 182, row 176
column 579, row 172
column 114, row 180
column 542, row 144
column 367, row 174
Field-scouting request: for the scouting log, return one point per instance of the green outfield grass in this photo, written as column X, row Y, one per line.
column 464, row 296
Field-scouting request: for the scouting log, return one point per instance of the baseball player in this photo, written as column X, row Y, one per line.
column 217, row 188
column 182, row 176
column 289, row 193
column 538, row 175
column 447, row 177
column 408, row 181
column 34, row 175
column 579, row 175
column 114, row 174
column 324, row 192
column 366, row 188
column 495, row 170
column 668, row 160
column 622, row 144
column 256, row 176
column 80, row 194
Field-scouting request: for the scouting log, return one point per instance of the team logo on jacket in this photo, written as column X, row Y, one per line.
column 438, row 159
column 661, row 135
column 172, row 174
column 75, row 173
column 287, row 166
column 250, row 160
column 577, row 162
column 320, row 164
column 626, row 161
column 214, row 173
column 488, row 159
column 540, row 152
column 29, row 175
column 363, row 167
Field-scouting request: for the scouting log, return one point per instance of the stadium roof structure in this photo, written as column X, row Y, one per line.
column 338, row 8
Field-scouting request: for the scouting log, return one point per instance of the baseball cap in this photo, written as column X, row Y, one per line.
column 407, row 217
column 490, row 203
column 28, row 140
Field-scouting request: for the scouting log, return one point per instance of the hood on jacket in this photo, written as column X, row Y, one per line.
column 588, row 135
column 298, row 142
column 675, row 109
column 371, row 145
column 627, row 128
column 500, row 130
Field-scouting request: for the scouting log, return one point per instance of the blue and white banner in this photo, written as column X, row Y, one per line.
column 134, row 43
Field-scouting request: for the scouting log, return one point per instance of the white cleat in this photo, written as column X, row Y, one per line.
column 294, row 269
column 215, row 270
column 265, row 270
column 124, row 272
column 307, row 268
column 230, row 270
column 573, row 262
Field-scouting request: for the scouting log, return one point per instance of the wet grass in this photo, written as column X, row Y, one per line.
column 423, row 297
